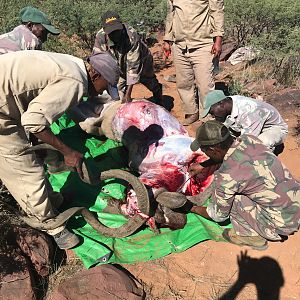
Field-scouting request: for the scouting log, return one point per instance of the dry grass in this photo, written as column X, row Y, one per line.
column 62, row 272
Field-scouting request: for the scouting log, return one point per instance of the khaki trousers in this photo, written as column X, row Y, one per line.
column 194, row 76
column 23, row 174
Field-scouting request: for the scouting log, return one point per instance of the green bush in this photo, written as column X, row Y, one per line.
column 273, row 26
column 79, row 20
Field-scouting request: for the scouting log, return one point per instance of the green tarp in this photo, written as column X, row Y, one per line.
column 142, row 246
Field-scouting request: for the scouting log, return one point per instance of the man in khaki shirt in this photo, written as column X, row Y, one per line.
column 36, row 88
column 195, row 31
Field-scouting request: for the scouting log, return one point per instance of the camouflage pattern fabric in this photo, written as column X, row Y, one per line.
column 256, row 191
column 134, row 59
column 251, row 116
column 20, row 38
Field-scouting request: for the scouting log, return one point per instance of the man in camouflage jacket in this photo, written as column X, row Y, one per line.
column 252, row 188
column 134, row 58
column 30, row 35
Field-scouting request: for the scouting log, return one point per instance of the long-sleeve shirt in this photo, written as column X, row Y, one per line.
column 37, row 87
column 193, row 24
column 130, row 55
column 20, row 38
column 250, row 116
column 251, row 170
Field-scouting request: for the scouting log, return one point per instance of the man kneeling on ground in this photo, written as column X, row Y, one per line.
column 252, row 188
column 244, row 115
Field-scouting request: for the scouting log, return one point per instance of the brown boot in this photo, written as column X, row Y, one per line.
column 256, row 242
column 190, row 119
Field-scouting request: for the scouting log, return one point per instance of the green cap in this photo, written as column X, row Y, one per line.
column 210, row 133
column 210, row 99
column 32, row 14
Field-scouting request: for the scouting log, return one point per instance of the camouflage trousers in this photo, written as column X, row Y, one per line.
column 147, row 78
column 247, row 220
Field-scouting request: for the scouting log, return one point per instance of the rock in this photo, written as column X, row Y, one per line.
column 243, row 54
column 228, row 48
column 262, row 87
column 104, row 282
column 16, row 280
column 37, row 247
column 286, row 101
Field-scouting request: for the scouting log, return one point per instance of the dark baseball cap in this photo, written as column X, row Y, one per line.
column 32, row 14
column 210, row 133
column 111, row 21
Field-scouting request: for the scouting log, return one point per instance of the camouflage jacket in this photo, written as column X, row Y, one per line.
column 251, row 116
column 130, row 56
column 252, row 170
column 20, row 38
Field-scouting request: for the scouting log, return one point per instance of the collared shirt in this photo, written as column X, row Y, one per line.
column 37, row 87
column 251, row 169
column 193, row 24
column 250, row 116
column 130, row 56
column 20, row 38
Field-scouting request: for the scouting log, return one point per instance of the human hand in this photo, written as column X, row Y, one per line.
column 217, row 47
column 74, row 159
column 167, row 49
column 195, row 169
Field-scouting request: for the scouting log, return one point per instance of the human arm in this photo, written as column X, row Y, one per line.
column 100, row 44
column 217, row 46
column 201, row 198
column 252, row 122
column 57, row 97
column 200, row 210
column 127, row 96
column 134, row 60
column 216, row 8
column 197, row 168
column 168, row 37
column 72, row 158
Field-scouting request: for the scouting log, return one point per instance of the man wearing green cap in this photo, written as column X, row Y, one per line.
column 132, row 54
column 31, row 99
column 244, row 115
column 30, row 35
column 252, row 188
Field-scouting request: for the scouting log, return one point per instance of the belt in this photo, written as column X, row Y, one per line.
column 187, row 50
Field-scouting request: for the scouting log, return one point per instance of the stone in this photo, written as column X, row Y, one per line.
column 16, row 280
column 104, row 282
column 37, row 246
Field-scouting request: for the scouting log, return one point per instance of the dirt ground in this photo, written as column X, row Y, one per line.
column 218, row 270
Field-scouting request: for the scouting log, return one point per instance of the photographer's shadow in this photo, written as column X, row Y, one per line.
column 264, row 272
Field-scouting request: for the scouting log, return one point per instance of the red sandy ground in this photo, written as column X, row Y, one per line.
column 209, row 269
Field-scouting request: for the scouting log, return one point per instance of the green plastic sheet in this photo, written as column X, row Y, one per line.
column 102, row 154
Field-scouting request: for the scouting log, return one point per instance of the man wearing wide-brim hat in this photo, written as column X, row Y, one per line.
column 31, row 34
column 37, row 87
